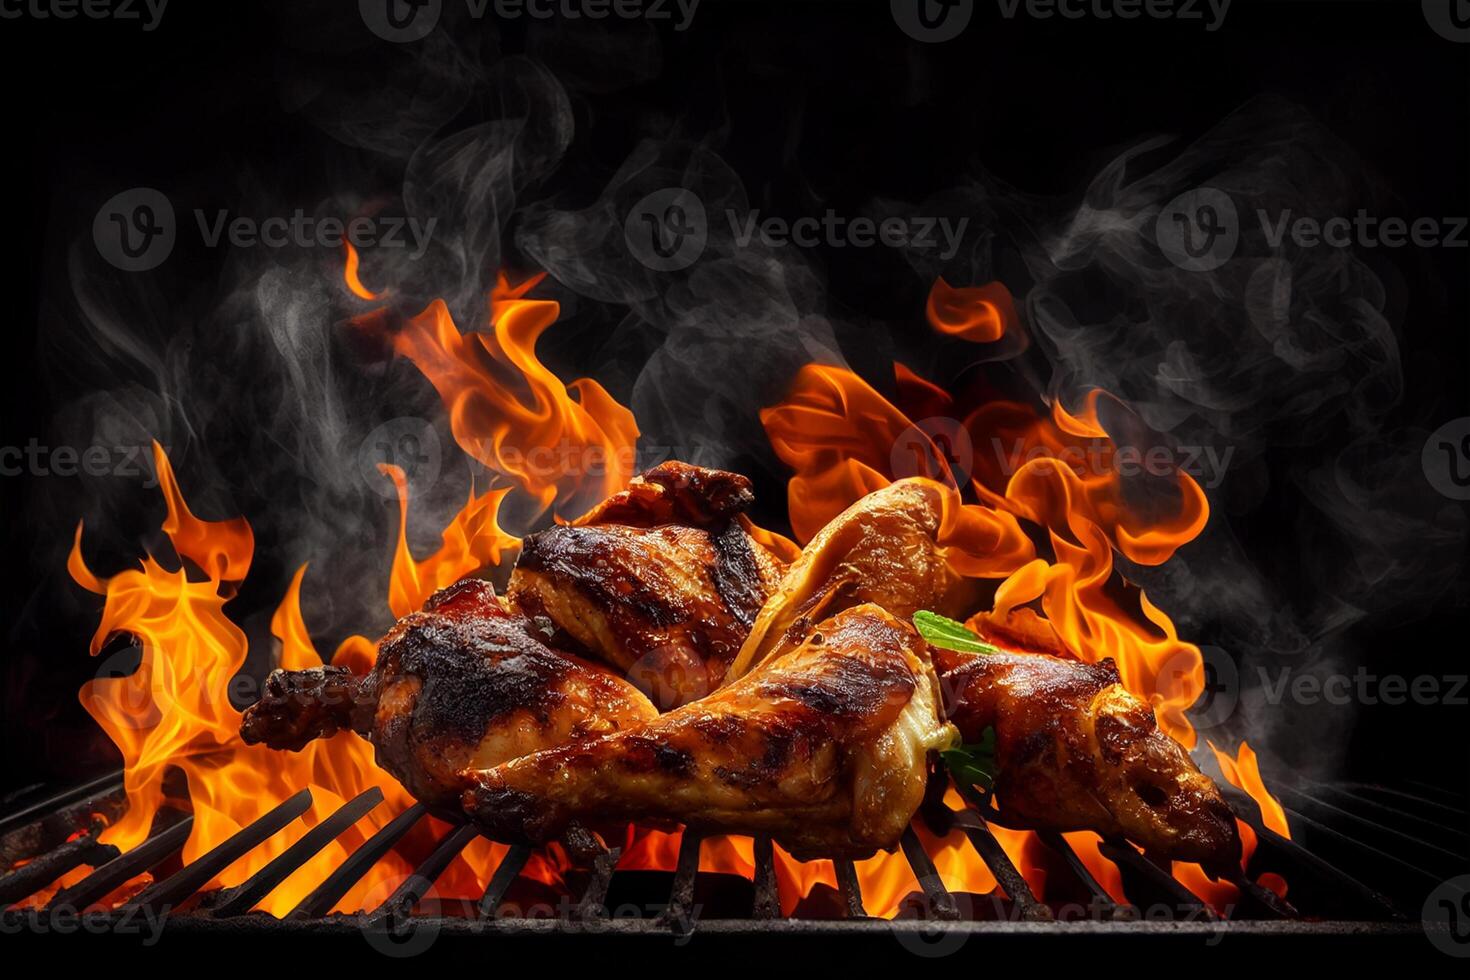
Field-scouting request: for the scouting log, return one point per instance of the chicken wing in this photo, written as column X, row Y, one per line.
column 462, row 684
column 883, row 549
column 1076, row 751
column 662, row 580
column 825, row 749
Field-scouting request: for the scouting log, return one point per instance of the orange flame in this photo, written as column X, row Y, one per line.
column 511, row 413
column 1243, row 771
column 472, row 541
column 351, row 275
column 979, row 314
column 174, row 711
column 843, row 439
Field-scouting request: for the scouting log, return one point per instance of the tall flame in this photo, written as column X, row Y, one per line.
column 509, row 411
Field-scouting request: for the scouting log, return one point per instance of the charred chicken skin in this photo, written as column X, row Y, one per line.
column 662, row 580
column 825, row 749
column 1078, row 752
column 463, row 684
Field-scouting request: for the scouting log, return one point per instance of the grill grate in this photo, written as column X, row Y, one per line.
column 177, row 894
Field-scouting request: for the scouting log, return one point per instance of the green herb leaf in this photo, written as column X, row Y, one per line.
column 945, row 632
column 975, row 764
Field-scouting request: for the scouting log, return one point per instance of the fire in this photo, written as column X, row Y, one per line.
column 979, row 314
column 1055, row 471
column 175, row 711
column 567, row 445
column 1243, row 771
column 509, row 411
column 351, row 275
column 472, row 541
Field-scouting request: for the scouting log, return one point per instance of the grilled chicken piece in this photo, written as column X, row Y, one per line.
column 1078, row 752
column 462, row 684
column 824, row 749
column 883, row 549
column 662, row 580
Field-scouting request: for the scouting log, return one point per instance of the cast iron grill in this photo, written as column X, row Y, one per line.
column 1392, row 835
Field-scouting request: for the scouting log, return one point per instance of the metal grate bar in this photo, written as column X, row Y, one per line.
column 767, row 903
column 1274, row 904
column 1443, row 825
column 244, row 897
column 124, row 868
column 1121, row 852
column 32, row 877
column 1376, row 829
column 510, row 866
column 1326, row 871
column 1303, row 820
column 101, row 786
column 1107, row 909
column 941, row 904
column 999, row 862
column 194, row 876
column 593, row 902
column 680, row 911
column 852, row 892
column 416, row 885
column 339, row 882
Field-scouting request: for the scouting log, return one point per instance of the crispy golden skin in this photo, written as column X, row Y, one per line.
column 825, row 749
column 883, row 549
column 662, row 580
column 462, row 684
column 1078, row 752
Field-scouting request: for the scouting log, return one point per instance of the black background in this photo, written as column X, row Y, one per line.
column 810, row 94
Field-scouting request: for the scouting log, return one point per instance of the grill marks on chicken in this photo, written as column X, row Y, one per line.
column 825, row 749
column 462, row 684
column 1076, row 751
column 663, row 580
